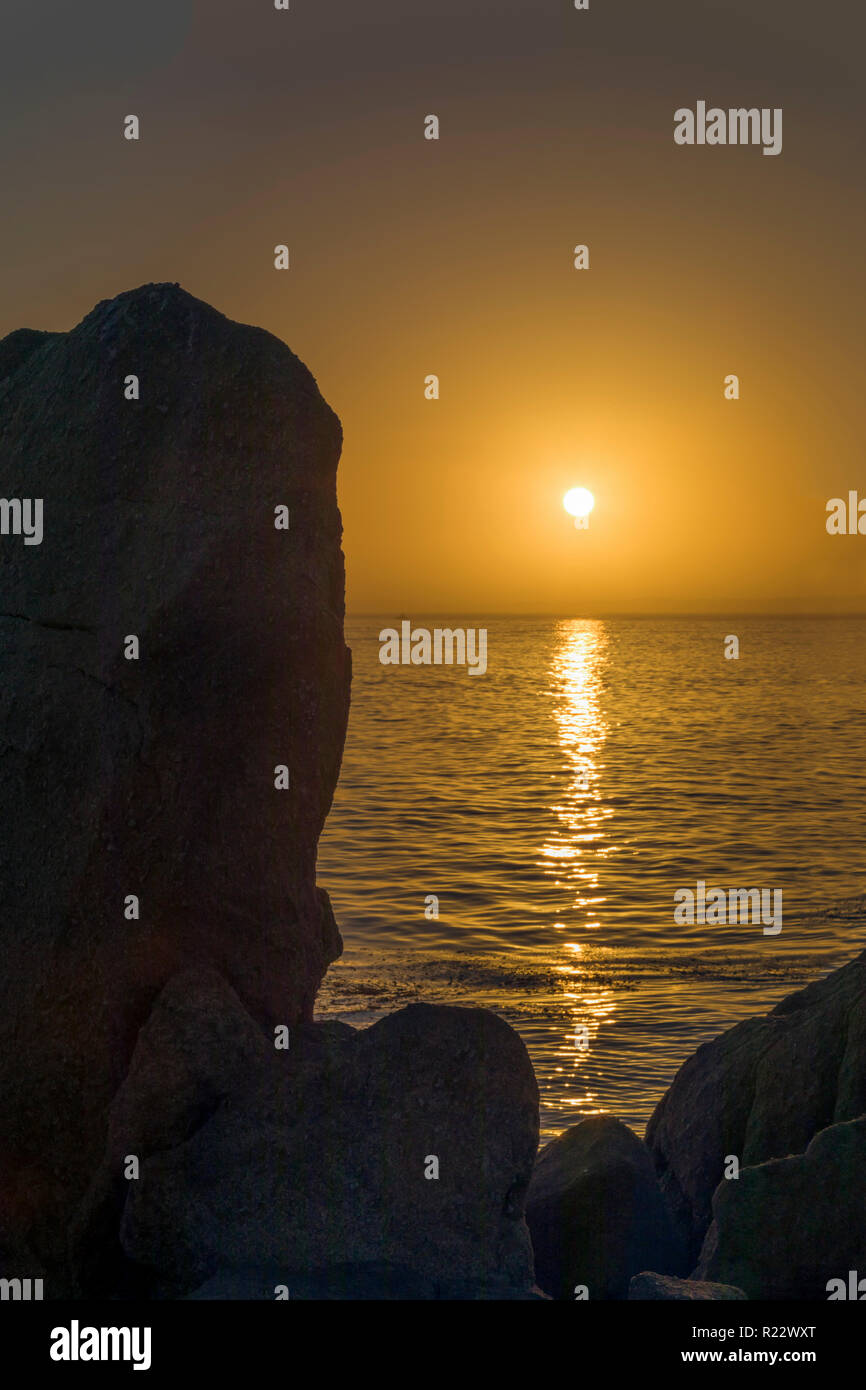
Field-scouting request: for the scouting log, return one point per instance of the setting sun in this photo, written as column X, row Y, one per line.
column 579, row 501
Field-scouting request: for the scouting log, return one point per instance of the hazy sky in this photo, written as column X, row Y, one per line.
column 411, row 257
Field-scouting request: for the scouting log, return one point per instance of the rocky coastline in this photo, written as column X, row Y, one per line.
column 175, row 1124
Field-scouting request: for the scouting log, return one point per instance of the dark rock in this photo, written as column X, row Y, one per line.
column 668, row 1288
column 595, row 1212
column 761, row 1090
column 320, row 1162
column 155, row 777
column 784, row 1228
column 198, row 1048
column 353, row 1282
column 15, row 349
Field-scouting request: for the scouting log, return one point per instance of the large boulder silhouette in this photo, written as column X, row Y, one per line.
column 760, row 1091
column 155, row 777
column 595, row 1212
column 394, row 1157
column 789, row 1228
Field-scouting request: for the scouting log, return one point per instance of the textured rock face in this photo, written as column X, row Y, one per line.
column 155, row 776
column 198, row 1048
column 761, row 1091
column 666, row 1288
column 314, row 1160
column 595, row 1212
column 376, row 1282
column 784, row 1229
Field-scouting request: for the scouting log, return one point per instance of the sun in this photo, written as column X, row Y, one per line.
column 578, row 502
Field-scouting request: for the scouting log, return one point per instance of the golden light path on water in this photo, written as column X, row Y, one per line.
column 576, row 848
column 555, row 806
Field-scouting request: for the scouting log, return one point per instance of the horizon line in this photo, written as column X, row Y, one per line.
column 620, row 613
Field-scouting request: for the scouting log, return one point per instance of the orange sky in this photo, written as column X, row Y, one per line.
column 412, row 257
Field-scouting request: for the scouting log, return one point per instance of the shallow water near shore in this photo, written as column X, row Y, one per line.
column 554, row 806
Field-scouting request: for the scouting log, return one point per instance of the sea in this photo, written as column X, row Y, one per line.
column 515, row 840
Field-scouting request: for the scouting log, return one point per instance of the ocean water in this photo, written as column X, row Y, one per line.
column 555, row 805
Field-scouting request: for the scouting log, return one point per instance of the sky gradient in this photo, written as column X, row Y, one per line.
column 411, row 257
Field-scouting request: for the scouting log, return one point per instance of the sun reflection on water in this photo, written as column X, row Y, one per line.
column 576, row 845
column 576, row 677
